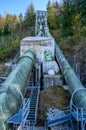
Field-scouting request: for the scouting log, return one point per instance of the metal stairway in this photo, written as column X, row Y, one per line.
column 30, row 120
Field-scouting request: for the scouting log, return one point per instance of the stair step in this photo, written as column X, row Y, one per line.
column 32, row 111
column 31, row 117
column 33, row 105
column 32, row 108
column 33, row 100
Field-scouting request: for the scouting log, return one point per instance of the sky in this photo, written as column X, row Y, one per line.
column 20, row 6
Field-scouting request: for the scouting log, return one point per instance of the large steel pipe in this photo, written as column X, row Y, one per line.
column 72, row 81
column 48, row 55
column 13, row 89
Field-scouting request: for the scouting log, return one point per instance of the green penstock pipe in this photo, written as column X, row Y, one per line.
column 48, row 55
column 13, row 89
column 72, row 80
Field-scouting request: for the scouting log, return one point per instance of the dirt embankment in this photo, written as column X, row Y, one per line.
column 53, row 97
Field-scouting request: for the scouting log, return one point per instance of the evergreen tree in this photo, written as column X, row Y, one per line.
column 83, row 12
column 48, row 5
column 52, row 18
column 20, row 26
column 29, row 20
column 2, row 23
column 55, row 5
column 30, row 11
column 20, row 18
column 67, row 13
column 52, row 14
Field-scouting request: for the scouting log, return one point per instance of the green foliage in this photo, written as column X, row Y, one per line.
column 8, row 47
column 30, row 12
column 6, row 30
column 48, row 5
column 76, row 25
column 67, row 23
column 51, row 18
column 52, row 12
column 83, row 12
column 13, row 29
column 20, row 18
column 9, row 40
column 8, row 53
column 29, row 21
column 67, row 15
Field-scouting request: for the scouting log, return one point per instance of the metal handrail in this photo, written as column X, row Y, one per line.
column 80, row 112
column 26, row 108
column 71, row 101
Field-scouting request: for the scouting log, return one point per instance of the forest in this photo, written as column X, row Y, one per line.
column 14, row 28
column 66, row 21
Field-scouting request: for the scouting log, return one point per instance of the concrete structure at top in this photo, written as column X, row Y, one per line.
column 39, row 45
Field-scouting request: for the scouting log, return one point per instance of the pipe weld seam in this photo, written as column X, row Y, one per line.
column 65, row 71
column 28, row 58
